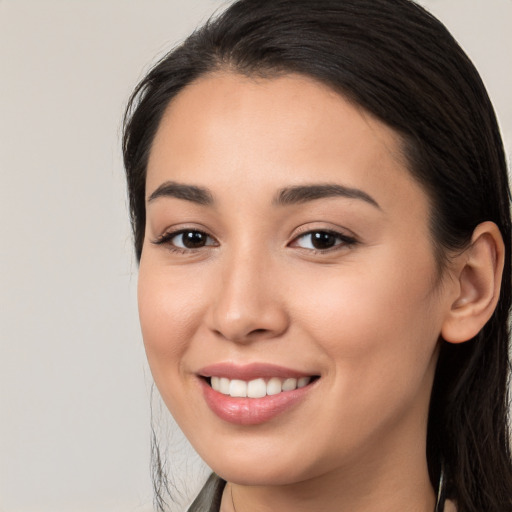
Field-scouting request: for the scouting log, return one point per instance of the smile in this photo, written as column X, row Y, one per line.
column 256, row 388
column 253, row 394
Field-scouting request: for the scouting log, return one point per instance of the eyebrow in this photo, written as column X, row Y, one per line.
column 286, row 196
column 304, row 193
column 191, row 193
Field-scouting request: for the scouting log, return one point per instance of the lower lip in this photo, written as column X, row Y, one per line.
column 251, row 411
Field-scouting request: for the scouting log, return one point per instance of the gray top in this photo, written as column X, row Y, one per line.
column 208, row 500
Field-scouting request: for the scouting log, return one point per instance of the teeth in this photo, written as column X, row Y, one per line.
column 289, row 384
column 303, row 381
column 224, row 386
column 274, row 386
column 256, row 388
column 238, row 388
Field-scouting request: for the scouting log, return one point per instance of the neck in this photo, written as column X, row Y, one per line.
column 383, row 479
column 361, row 498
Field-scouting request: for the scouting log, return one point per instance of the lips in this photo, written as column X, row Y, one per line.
column 255, row 393
column 250, row 372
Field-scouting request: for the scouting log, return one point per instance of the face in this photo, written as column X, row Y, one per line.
column 289, row 297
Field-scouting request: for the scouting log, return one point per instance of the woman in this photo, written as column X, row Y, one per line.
column 320, row 207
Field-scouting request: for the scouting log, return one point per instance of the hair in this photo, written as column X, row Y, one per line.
column 399, row 63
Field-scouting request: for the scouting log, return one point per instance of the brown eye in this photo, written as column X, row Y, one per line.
column 191, row 239
column 323, row 240
column 184, row 240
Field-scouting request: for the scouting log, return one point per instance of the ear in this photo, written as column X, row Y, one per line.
column 478, row 272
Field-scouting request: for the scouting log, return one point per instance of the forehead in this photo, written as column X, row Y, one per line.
column 288, row 130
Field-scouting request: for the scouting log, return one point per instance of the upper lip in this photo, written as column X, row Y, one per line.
column 250, row 371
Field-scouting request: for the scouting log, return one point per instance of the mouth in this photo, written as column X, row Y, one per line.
column 255, row 393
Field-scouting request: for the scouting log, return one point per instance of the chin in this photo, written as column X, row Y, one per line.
column 257, row 474
column 258, row 464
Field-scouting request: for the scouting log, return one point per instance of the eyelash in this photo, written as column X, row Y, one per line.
column 166, row 239
column 344, row 241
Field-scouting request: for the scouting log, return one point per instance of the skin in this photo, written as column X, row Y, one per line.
column 366, row 317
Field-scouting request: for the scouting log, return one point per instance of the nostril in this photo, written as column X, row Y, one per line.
column 241, row 336
column 258, row 331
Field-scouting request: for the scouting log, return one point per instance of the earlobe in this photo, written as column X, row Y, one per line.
column 478, row 278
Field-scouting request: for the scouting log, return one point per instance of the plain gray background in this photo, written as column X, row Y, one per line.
column 74, row 386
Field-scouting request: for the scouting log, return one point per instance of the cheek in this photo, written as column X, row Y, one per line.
column 378, row 326
column 361, row 306
column 169, row 307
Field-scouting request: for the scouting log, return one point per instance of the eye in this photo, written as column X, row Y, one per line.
column 322, row 240
column 191, row 240
column 186, row 239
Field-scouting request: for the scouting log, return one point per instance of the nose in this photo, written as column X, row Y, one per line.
column 249, row 303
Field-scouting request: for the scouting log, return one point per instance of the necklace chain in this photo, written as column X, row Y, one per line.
column 232, row 500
